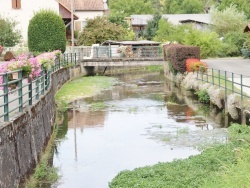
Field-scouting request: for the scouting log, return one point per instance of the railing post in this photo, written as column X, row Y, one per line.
column 225, row 85
column 30, row 91
column 213, row 76
column 232, row 82
column 37, row 89
column 241, row 87
column 6, row 97
column 219, row 78
column 20, row 91
column 75, row 58
column 42, row 82
column 110, row 51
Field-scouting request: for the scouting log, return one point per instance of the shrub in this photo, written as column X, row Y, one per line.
column 203, row 96
column 46, row 32
column 9, row 35
column 195, row 65
column 177, row 55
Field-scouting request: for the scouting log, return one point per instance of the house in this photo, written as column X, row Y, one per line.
column 23, row 10
column 199, row 21
column 85, row 9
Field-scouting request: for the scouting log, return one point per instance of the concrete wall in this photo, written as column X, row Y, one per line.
column 23, row 140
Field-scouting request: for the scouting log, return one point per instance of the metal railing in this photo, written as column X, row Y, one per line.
column 229, row 81
column 116, row 51
column 17, row 93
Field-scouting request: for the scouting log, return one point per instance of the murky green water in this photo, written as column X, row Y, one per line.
column 142, row 121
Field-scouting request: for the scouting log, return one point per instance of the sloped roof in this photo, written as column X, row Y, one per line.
column 172, row 18
column 86, row 5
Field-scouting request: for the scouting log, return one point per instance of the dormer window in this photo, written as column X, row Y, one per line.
column 16, row 4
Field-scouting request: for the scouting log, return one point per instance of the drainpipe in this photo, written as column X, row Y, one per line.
column 72, row 27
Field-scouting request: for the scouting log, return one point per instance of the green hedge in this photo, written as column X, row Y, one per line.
column 46, row 32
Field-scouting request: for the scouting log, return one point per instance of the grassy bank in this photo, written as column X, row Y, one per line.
column 225, row 165
column 83, row 87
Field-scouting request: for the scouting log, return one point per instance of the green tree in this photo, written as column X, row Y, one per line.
column 208, row 42
column 152, row 27
column 99, row 30
column 183, row 7
column 227, row 20
column 46, row 32
column 130, row 7
column 9, row 34
column 242, row 6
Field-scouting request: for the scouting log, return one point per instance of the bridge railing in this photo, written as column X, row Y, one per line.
column 114, row 51
column 229, row 81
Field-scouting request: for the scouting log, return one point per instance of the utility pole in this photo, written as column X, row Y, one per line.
column 72, row 28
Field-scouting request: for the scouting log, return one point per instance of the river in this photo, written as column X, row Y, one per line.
column 143, row 120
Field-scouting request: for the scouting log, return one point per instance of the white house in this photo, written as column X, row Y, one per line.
column 23, row 10
column 84, row 9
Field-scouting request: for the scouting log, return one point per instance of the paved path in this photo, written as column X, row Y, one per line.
column 235, row 65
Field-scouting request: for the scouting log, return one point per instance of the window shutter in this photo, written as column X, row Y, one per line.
column 14, row 4
column 78, row 25
column 18, row 4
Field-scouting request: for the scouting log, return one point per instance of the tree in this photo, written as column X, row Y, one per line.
column 227, row 20
column 99, row 30
column 46, row 32
column 9, row 34
column 242, row 6
column 152, row 27
column 130, row 7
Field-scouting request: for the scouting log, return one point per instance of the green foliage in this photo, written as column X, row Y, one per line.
column 242, row 6
column 97, row 106
column 227, row 20
column 9, row 34
column 232, row 44
column 154, row 68
column 99, row 30
column 208, row 42
column 46, row 32
column 218, row 166
column 203, row 96
column 183, row 7
column 152, row 27
column 130, row 7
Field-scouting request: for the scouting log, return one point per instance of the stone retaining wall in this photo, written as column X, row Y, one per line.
column 23, row 139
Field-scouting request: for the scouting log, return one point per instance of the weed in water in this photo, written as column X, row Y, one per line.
column 97, row 106
column 184, row 130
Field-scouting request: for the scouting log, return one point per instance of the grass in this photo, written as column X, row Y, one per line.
column 154, row 68
column 44, row 173
column 82, row 87
column 221, row 165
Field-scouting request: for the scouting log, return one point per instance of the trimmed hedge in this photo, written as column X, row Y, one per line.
column 46, row 32
column 177, row 55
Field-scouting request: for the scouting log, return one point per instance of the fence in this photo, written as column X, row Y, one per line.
column 115, row 51
column 229, row 81
column 17, row 92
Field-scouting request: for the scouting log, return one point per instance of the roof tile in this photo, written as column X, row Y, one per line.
column 84, row 4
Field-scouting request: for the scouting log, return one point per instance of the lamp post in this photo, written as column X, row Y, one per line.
column 72, row 27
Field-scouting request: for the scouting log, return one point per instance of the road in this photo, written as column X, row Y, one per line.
column 235, row 65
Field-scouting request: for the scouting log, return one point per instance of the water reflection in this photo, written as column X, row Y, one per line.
column 145, row 120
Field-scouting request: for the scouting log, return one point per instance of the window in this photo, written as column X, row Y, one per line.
column 16, row 4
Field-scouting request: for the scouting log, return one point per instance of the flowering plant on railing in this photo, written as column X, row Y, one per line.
column 125, row 50
column 195, row 65
column 30, row 67
column 47, row 59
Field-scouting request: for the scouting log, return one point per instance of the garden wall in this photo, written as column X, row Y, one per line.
column 23, row 139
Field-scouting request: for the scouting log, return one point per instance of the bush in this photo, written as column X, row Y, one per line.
column 203, row 96
column 177, row 55
column 195, row 65
column 46, row 32
column 208, row 42
column 9, row 35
